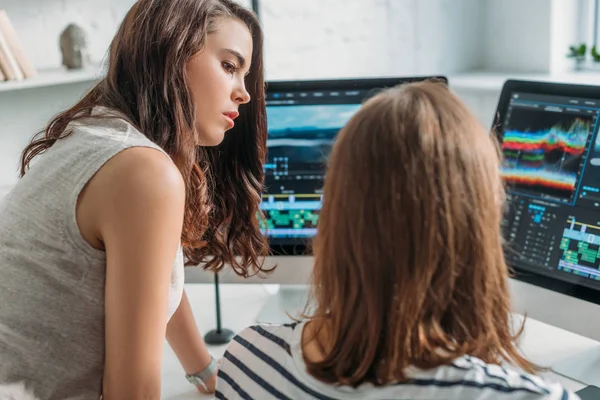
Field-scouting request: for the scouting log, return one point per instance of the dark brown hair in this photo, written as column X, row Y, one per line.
column 147, row 83
column 409, row 264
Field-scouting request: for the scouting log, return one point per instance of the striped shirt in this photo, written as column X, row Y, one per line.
column 265, row 362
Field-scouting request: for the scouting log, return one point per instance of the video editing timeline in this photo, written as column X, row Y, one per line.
column 580, row 247
column 291, row 216
column 302, row 127
column 552, row 170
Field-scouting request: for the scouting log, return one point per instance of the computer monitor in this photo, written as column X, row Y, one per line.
column 551, row 166
column 303, row 120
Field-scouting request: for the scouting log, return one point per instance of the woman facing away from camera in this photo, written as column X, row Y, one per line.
column 410, row 297
column 134, row 178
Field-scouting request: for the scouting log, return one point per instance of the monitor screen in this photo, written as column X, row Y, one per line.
column 551, row 165
column 303, row 119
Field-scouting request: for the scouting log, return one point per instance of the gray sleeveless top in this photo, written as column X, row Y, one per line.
column 51, row 279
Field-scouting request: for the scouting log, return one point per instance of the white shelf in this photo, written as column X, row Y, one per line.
column 53, row 77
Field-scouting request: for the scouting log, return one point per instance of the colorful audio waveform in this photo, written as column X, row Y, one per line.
column 571, row 141
column 553, row 180
column 544, row 157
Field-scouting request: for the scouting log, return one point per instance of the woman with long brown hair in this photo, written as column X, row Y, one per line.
column 410, row 297
column 161, row 162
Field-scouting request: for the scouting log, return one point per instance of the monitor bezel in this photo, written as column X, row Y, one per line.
column 511, row 86
column 339, row 84
column 302, row 247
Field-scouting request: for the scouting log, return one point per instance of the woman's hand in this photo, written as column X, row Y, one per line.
column 211, row 384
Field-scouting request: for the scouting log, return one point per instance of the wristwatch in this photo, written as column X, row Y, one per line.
column 201, row 377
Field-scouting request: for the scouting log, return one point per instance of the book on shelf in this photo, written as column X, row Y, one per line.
column 14, row 63
column 3, row 61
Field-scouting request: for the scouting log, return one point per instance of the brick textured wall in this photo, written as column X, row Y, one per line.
column 307, row 38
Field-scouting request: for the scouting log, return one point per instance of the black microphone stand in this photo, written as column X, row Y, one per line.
column 219, row 335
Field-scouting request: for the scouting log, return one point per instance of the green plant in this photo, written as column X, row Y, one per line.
column 578, row 52
column 595, row 54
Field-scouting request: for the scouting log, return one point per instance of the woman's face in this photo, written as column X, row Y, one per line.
column 216, row 79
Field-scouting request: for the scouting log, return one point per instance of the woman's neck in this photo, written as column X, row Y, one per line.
column 315, row 340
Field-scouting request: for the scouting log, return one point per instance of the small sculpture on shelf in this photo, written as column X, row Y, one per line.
column 73, row 45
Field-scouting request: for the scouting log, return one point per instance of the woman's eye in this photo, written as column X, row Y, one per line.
column 229, row 67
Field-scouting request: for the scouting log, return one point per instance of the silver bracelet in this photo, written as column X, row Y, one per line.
column 201, row 377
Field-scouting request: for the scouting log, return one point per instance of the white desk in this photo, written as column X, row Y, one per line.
column 541, row 343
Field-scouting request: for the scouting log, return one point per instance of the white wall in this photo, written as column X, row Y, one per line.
column 314, row 38
column 565, row 30
column 533, row 35
column 585, row 20
column 516, row 35
column 448, row 35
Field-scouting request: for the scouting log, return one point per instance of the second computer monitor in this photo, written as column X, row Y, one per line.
column 551, row 165
column 303, row 119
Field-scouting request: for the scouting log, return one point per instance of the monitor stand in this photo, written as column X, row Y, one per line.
column 583, row 367
column 289, row 299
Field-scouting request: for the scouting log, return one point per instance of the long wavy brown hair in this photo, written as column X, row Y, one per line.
column 146, row 82
column 409, row 263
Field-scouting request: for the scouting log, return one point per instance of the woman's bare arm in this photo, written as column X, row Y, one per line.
column 139, row 196
column 187, row 343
